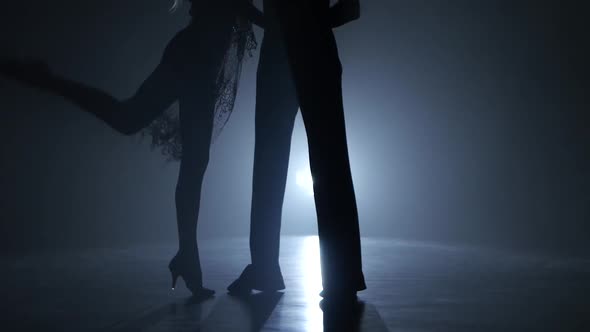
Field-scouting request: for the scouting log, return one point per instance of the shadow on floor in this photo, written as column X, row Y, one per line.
column 360, row 317
column 248, row 313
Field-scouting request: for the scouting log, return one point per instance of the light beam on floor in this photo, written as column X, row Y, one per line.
column 312, row 283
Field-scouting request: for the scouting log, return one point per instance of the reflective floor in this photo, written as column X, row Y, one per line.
column 412, row 287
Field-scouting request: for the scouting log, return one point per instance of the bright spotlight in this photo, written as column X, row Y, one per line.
column 304, row 180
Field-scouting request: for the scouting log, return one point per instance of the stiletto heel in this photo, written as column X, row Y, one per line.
column 180, row 267
column 174, row 278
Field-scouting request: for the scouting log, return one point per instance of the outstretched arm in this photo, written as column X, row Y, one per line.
column 344, row 11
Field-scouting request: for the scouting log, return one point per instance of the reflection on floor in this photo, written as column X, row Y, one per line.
column 412, row 287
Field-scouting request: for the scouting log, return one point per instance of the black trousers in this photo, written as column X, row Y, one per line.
column 276, row 109
column 306, row 72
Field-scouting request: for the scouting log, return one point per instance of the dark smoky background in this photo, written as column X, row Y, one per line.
column 467, row 121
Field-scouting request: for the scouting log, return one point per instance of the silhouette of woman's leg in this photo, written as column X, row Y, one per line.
column 127, row 116
column 196, row 121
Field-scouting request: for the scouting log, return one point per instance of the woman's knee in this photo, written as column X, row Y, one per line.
column 129, row 129
column 128, row 125
column 135, row 114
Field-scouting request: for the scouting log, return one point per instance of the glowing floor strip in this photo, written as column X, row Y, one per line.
column 312, row 283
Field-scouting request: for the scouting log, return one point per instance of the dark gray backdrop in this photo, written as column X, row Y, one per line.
column 468, row 123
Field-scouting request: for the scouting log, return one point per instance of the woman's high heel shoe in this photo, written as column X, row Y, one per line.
column 191, row 275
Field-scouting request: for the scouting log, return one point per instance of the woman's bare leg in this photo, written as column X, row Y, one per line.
column 127, row 116
column 196, row 121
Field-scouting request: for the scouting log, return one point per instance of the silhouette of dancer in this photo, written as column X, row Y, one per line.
column 299, row 66
column 200, row 69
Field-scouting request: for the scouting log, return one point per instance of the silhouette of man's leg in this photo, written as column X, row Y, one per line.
column 316, row 69
column 276, row 108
